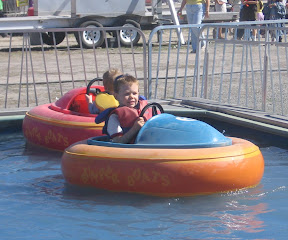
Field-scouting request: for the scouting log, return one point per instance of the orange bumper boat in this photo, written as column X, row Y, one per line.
column 172, row 157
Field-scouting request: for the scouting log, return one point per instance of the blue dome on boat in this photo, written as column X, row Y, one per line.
column 167, row 129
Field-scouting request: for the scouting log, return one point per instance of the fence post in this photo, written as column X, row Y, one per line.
column 73, row 8
column 35, row 6
column 206, row 64
column 197, row 63
column 264, row 87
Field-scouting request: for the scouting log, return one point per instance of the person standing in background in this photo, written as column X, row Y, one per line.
column 1, row 16
column 195, row 11
column 248, row 12
column 275, row 10
column 236, row 5
column 220, row 6
column 1, row 9
column 260, row 15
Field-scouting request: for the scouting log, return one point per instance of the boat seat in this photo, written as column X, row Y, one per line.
column 79, row 104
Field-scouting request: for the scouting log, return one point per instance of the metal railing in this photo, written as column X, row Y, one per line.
column 33, row 75
column 237, row 70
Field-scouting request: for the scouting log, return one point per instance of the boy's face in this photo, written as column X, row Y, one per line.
column 128, row 95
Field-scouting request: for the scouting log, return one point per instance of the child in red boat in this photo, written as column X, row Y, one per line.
column 108, row 80
column 123, row 123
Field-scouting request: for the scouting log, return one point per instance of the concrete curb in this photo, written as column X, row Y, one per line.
column 230, row 119
column 12, row 122
column 15, row 121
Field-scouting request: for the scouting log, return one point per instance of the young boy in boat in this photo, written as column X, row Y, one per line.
column 108, row 81
column 123, row 123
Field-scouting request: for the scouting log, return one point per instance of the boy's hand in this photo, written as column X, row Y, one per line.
column 89, row 98
column 138, row 124
column 126, row 138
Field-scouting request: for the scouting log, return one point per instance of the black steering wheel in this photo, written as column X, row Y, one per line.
column 154, row 107
column 94, row 91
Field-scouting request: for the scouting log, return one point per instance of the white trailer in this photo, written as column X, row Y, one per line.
column 142, row 14
column 93, row 14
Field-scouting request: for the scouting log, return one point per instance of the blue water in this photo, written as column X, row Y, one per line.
column 36, row 203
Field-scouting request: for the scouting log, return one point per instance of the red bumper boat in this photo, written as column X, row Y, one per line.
column 58, row 125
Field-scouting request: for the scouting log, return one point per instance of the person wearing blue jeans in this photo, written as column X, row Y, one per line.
column 196, row 10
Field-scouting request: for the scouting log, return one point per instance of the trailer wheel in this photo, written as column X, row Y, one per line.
column 90, row 38
column 128, row 36
column 48, row 38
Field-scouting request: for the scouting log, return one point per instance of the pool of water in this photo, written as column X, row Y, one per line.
column 36, row 203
